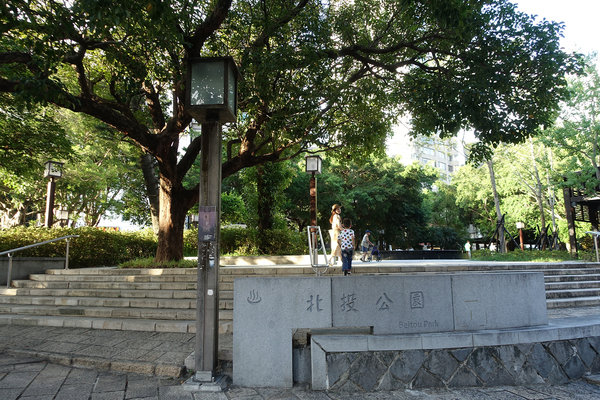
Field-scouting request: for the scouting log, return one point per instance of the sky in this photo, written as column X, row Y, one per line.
column 581, row 34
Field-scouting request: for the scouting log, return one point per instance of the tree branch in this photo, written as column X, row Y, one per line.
column 212, row 22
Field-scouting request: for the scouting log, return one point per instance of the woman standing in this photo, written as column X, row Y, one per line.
column 334, row 232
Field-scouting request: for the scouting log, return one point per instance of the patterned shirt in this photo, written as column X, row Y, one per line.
column 345, row 238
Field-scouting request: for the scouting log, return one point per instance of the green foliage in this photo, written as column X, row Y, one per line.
column 233, row 209
column 29, row 136
column 329, row 74
column 247, row 241
column 239, row 241
column 150, row 262
column 93, row 248
column 530, row 255
column 379, row 194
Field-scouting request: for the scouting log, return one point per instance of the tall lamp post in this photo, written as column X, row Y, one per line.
column 313, row 167
column 520, row 226
column 211, row 98
column 53, row 170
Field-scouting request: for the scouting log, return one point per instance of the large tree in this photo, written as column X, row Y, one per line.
column 329, row 74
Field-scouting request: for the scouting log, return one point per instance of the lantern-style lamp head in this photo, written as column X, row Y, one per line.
column 313, row 164
column 53, row 169
column 520, row 225
column 212, row 89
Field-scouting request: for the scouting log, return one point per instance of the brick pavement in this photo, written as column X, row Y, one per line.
column 75, row 364
column 23, row 378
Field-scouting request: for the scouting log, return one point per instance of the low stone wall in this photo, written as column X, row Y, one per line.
column 24, row 266
column 421, row 255
column 552, row 362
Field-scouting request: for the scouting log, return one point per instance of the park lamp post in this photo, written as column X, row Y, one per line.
column 313, row 167
column 520, row 226
column 52, row 170
column 211, row 98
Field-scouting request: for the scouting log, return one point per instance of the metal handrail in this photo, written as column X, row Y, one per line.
column 595, row 235
column 313, row 251
column 10, row 252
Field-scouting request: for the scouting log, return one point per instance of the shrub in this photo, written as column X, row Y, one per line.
column 245, row 241
column 94, row 247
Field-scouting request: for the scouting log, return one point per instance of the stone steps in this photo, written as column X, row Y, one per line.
column 100, row 311
column 571, row 278
column 104, row 285
column 569, row 285
column 573, row 293
column 110, row 298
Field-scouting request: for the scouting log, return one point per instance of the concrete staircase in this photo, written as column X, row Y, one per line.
column 160, row 300
column 164, row 300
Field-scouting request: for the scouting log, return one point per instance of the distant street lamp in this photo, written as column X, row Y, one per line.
column 211, row 98
column 53, row 170
column 520, row 226
column 313, row 167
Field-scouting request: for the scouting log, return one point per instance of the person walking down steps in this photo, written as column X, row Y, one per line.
column 347, row 244
column 336, row 228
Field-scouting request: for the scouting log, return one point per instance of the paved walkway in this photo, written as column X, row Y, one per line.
column 32, row 379
column 44, row 363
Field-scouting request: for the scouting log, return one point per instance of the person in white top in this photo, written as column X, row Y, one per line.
column 334, row 232
column 366, row 245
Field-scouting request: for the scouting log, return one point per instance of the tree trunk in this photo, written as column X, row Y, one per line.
column 173, row 209
column 499, row 227
column 151, row 181
column 265, row 199
column 539, row 196
column 265, row 207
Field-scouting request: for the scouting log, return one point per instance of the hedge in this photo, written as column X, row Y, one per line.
column 96, row 247
column 93, row 248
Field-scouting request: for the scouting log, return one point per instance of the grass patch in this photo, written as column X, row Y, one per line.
column 150, row 263
column 532, row 256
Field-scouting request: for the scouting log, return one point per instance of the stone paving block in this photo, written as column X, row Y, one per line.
column 108, row 382
column 77, row 323
column 91, row 362
column 170, row 370
column 37, row 397
column 107, row 324
column 18, row 379
column 43, row 387
column 81, row 376
column 132, row 366
column 141, row 389
column 9, row 394
column 74, row 392
column 141, row 325
column 179, row 393
column 116, row 395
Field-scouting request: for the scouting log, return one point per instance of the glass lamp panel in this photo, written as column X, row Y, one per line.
column 53, row 169
column 231, row 90
column 313, row 164
column 207, row 83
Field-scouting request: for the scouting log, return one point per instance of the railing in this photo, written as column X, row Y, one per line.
column 314, row 236
column 595, row 236
column 10, row 253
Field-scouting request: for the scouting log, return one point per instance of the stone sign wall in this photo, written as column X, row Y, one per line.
column 267, row 310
